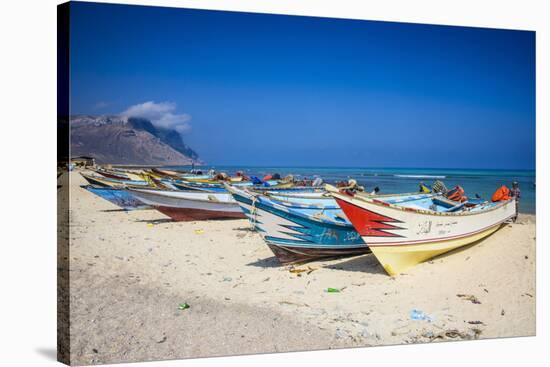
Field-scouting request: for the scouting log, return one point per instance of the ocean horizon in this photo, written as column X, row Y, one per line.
column 396, row 180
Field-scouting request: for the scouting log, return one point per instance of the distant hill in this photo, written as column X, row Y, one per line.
column 122, row 140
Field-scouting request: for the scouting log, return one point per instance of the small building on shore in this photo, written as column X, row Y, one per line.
column 83, row 161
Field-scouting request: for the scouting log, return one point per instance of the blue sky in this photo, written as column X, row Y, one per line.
column 253, row 89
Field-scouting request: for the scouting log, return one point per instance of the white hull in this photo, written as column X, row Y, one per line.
column 402, row 237
column 191, row 200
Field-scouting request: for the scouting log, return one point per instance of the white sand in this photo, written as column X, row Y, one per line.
column 130, row 270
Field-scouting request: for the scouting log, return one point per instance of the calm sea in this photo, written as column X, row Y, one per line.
column 396, row 180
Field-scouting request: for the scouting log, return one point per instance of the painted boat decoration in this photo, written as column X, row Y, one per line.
column 121, row 198
column 299, row 232
column 405, row 230
column 111, row 182
column 190, row 206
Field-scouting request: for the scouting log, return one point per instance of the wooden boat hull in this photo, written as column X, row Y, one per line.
column 134, row 176
column 121, row 198
column 396, row 259
column 166, row 173
column 401, row 238
column 189, row 206
column 295, row 238
column 218, row 187
column 110, row 175
column 95, row 181
column 109, row 182
column 294, row 255
column 184, row 185
column 190, row 214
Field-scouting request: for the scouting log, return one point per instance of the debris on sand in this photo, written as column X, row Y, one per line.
column 420, row 315
column 183, row 306
column 293, row 304
column 298, row 271
column 476, row 322
column 469, row 297
column 451, row 334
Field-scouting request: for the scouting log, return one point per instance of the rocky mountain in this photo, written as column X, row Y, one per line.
column 123, row 140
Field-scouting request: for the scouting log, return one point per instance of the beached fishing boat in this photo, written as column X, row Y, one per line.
column 135, row 175
column 121, row 198
column 164, row 173
column 110, row 174
column 194, row 175
column 99, row 181
column 299, row 232
column 201, row 187
column 217, row 186
column 405, row 230
column 188, row 206
column 294, row 193
column 236, row 179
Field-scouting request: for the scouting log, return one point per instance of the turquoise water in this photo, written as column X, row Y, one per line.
column 396, row 180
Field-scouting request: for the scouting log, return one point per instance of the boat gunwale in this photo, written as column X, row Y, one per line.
column 283, row 208
column 192, row 188
column 438, row 240
column 373, row 201
column 112, row 180
column 152, row 192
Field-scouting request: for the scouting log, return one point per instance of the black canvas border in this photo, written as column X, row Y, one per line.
column 63, row 154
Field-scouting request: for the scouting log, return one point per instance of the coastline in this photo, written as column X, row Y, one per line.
column 129, row 271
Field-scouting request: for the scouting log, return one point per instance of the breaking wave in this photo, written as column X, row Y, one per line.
column 421, row 176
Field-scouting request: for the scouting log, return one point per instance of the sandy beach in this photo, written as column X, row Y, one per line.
column 129, row 271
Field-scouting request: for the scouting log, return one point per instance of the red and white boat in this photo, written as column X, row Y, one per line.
column 407, row 229
column 189, row 206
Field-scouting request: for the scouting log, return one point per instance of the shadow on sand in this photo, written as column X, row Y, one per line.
column 244, row 229
column 154, row 221
column 363, row 263
column 270, row 262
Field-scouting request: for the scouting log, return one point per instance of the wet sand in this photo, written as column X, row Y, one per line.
column 129, row 271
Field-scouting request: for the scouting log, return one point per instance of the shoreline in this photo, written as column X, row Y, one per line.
column 130, row 270
column 528, row 193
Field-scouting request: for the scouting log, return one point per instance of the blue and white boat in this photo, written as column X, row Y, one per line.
column 302, row 230
column 121, row 198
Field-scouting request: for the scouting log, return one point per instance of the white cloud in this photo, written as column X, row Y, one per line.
column 161, row 115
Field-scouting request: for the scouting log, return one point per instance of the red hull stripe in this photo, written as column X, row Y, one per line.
column 368, row 223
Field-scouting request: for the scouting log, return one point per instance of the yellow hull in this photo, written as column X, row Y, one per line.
column 134, row 176
column 201, row 180
column 398, row 258
column 284, row 185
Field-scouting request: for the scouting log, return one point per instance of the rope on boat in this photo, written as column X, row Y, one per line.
column 254, row 212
